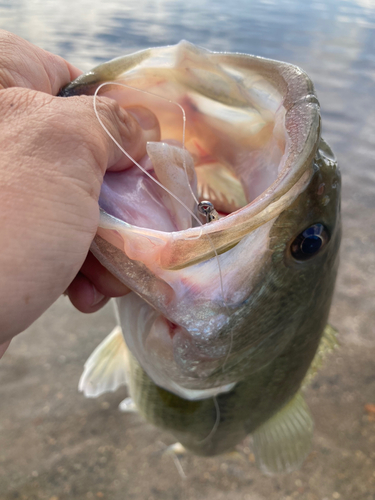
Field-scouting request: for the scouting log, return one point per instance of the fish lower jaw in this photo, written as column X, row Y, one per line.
column 198, row 394
column 171, row 354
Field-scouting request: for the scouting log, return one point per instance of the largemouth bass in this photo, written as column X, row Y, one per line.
column 224, row 320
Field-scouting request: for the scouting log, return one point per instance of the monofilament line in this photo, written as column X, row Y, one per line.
column 153, row 178
column 217, row 421
column 129, row 156
column 216, row 424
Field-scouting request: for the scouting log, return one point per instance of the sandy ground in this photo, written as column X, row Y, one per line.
column 57, row 445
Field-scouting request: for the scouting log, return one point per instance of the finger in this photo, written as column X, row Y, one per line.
column 22, row 64
column 131, row 128
column 75, row 136
column 84, row 296
column 59, row 71
column 150, row 132
column 92, row 287
column 102, row 279
column 3, row 348
column 55, row 156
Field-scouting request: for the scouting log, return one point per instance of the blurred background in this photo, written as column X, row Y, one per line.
column 56, row 445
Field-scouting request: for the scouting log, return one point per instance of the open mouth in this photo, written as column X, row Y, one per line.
column 230, row 156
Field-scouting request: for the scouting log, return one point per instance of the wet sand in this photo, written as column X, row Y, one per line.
column 55, row 444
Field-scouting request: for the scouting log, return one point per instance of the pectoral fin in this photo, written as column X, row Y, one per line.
column 283, row 442
column 107, row 367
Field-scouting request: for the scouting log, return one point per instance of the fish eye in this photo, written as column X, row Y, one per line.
column 309, row 242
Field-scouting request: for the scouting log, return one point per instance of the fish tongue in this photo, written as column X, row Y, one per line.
column 137, row 199
column 174, row 169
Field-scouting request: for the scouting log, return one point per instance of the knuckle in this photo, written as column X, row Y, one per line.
column 107, row 105
column 115, row 118
column 12, row 51
column 87, row 136
column 121, row 125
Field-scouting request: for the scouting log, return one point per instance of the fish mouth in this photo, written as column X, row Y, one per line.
column 250, row 141
column 250, row 147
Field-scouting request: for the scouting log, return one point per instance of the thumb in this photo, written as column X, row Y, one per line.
column 3, row 348
column 131, row 127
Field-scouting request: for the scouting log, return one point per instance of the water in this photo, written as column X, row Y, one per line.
column 56, row 445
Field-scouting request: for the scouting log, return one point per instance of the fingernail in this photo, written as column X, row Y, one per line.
column 146, row 118
column 98, row 297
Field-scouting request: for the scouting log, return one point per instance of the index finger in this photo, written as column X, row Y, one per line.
column 23, row 64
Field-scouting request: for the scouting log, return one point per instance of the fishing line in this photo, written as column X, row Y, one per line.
column 155, row 180
column 179, row 466
column 174, row 451
column 216, row 424
column 131, row 158
column 217, row 421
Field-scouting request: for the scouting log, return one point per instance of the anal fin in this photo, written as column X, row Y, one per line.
column 107, row 367
column 283, row 442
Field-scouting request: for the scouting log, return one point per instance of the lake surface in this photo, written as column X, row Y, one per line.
column 54, row 444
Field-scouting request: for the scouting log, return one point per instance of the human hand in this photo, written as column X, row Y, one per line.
column 54, row 156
